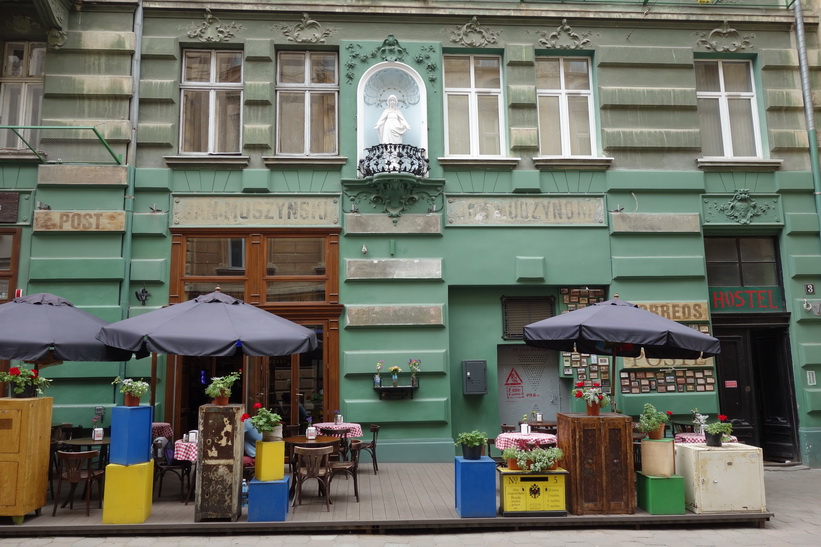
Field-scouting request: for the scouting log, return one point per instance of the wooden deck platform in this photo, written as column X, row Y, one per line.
column 401, row 498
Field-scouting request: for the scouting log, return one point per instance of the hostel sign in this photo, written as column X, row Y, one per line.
column 746, row 299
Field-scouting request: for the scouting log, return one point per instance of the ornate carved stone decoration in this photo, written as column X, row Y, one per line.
column 212, row 30
column 473, row 34
column 391, row 50
column 355, row 54
column 391, row 81
column 394, row 158
column 564, row 38
column 742, row 208
column 426, row 58
column 21, row 24
column 56, row 39
column 54, row 13
column 725, row 39
column 307, row 31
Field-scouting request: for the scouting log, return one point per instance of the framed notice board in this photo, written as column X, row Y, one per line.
column 525, row 494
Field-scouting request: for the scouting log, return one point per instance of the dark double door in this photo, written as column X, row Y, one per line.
column 756, row 387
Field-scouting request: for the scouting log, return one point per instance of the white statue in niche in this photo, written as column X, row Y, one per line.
column 392, row 124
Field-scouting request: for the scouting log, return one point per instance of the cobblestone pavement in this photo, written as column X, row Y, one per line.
column 793, row 495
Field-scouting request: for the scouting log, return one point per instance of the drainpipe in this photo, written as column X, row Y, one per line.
column 809, row 114
column 130, row 160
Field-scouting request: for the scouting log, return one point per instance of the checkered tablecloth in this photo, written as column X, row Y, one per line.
column 161, row 429
column 356, row 429
column 696, row 438
column 185, row 451
column 517, row 440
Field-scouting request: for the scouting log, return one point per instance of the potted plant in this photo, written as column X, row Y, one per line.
column 716, row 432
column 134, row 390
column 593, row 397
column 651, row 421
column 472, row 443
column 394, row 370
column 24, row 382
column 268, row 423
column 511, row 456
column 539, row 459
column 414, row 365
column 220, row 388
column 377, row 379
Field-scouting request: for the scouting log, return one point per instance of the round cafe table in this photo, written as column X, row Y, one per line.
column 356, row 429
column 697, row 438
column 187, row 452
column 517, row 440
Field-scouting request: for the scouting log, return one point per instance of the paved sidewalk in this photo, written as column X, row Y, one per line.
column 793, row 495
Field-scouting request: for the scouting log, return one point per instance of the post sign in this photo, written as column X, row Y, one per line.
column 8, row 207
column 746, row 299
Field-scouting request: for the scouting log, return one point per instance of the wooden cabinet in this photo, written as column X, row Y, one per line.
column 220, row 463
column 598, row 453
column 25, row 436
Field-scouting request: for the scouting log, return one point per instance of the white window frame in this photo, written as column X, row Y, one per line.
column 309, row 89
column 564, row 117
column 212, row 86
column 26, row 110
column 473, row 93
column 724, row 110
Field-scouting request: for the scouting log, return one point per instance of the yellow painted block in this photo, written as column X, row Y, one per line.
column 270, row 461
column 128, row 493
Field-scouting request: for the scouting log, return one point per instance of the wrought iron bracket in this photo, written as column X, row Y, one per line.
column 393, row 193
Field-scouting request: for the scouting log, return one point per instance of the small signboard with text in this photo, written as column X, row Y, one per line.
column 746, row 299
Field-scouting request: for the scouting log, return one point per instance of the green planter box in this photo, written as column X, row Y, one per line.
column 660, row 495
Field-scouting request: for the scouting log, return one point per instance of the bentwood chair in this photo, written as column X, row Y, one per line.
column 507, row 428
column 313, row 463
column 349, row 467
column 165, row 463
column 76, row 468
column 370, row 447
column 342, row 433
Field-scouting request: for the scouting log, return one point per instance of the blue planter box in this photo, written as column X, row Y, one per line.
column 268, row 500
column 131, row 434
column 475, row 487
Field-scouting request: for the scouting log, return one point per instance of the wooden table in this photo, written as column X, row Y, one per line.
column 89, row 442
column 303, row 440
column 517, row 440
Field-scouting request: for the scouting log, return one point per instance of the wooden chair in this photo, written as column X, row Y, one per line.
column 76, row 468
column 343, row 434
column 507, row 428
column 313, row 463
column 164, row 463
column 349, row 467
column 370, row 447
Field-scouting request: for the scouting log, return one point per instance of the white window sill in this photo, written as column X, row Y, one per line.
column 230, row 162
column 738, row 164
column 556, row 163
column 478, row 161
column 304, row 160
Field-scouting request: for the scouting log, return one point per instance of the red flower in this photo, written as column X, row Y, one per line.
column 579, row 384
column 35, row 373
column 722, row 417
column 257, row 405
column 596, row 384
column 14, row 371
column 245, row 417
column 601, row 397
column 669, row 413
column 578, row 395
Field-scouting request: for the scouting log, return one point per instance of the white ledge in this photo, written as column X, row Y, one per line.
column 478, row 162
column 304, row 160
column 576, row 164
column 734, row 164
column 233, row 162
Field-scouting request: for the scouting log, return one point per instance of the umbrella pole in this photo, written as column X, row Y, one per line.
column 153, row 378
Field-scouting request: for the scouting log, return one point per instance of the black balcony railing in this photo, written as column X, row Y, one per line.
column 394, row 158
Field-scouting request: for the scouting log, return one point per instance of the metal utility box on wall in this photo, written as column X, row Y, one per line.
column 474, row 377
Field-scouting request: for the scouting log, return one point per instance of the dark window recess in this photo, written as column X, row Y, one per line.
column 518, row 311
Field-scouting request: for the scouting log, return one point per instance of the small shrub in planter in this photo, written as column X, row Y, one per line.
column 539, row 459
column 472, row 443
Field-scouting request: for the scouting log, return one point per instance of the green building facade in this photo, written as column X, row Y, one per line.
column 545, row 156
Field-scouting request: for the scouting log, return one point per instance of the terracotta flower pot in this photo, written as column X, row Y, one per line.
column 222, row 400
column 657, row 434
column 513, row 465
column 593, row 409
column 131, row 400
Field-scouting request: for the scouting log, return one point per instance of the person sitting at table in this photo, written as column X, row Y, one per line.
column 251, row 438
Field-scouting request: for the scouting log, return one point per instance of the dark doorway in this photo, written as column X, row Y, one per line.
column 756, row 387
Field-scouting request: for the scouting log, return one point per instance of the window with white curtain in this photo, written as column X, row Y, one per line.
column 727, row 109
column 211, row 102
column 307, row 91
column 21, row 91
column 473, row 102
column 565, row 103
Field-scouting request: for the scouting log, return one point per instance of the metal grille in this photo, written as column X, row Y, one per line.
column 518, row 311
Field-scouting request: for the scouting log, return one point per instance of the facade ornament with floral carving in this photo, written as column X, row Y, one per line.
column 307, row 31
column 725, row 39
column 564, row 38
column 473, row 34
column 212, row 29
column 56, row 38
column 742, row 208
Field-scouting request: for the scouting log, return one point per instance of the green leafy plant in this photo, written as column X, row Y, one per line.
column 725, row 428
column 511, row 453
column 264, row 421
column 21, row 378
column 591, row 395
column 135, row 388
column 221, row 385
column 472, row 438
column 539, row 459
column 651, row 419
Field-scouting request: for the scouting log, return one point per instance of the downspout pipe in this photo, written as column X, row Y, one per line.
column 130, row 163
column 809, row 113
